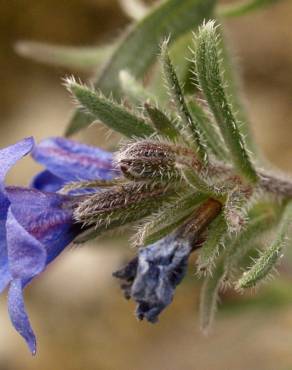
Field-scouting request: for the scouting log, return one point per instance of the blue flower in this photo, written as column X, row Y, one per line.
column 35, row 225
column 67, row 160
column 151, row 277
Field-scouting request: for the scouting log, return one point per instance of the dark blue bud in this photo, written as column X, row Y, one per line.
column 151, row 278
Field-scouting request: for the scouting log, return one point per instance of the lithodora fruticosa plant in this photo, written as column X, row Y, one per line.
column 190, row 178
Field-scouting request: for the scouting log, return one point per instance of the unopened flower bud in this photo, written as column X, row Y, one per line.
column 149, row 160
column 121, row 204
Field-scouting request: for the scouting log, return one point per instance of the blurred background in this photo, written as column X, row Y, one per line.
column 76, row 308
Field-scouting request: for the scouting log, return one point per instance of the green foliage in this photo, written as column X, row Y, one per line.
column 137, row 49
column 161, row 122
column 65, row 56
column 180, row 55
column 208, row 129
column 199, row 181
column 209, row 296
column 269, row 258
column 186, row 124
column 234, row 93
column 214, row 244
column 188, row 176
column 210, row 79
column 113, row 115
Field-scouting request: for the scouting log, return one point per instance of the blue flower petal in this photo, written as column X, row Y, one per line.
column 18, row 315
column 48, row 217
column 39, row 226
column 72, row 161
column 46, row 181
column 8, row 157
column 35, row 226
column 5, row 276
column 26, row 255
column 4, row 270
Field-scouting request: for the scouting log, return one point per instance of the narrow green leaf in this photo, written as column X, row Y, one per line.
column 65, row 56
column 161, row 122
column 180, row 55
column 234, row 92
column 210, row 250
column 167, row 219
column 113, row 115
column 188, row 127
column 242, row 8
column 133, row 89
column 209, row 130
column 237, row 249
column 209, row 296
column 210, row 79
column 138, row 49
column 268, row 258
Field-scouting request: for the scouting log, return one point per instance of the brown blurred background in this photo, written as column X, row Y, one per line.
column 79, row 315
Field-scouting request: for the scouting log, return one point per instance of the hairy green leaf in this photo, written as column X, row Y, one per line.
column 234, row 92
column 188, row 127
column 210, row 250
column 210, row 79
column 208, row 129
column 268, row 258
column 209, row 296
column 113, row 115
column 161, row 122
column 180, row 55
